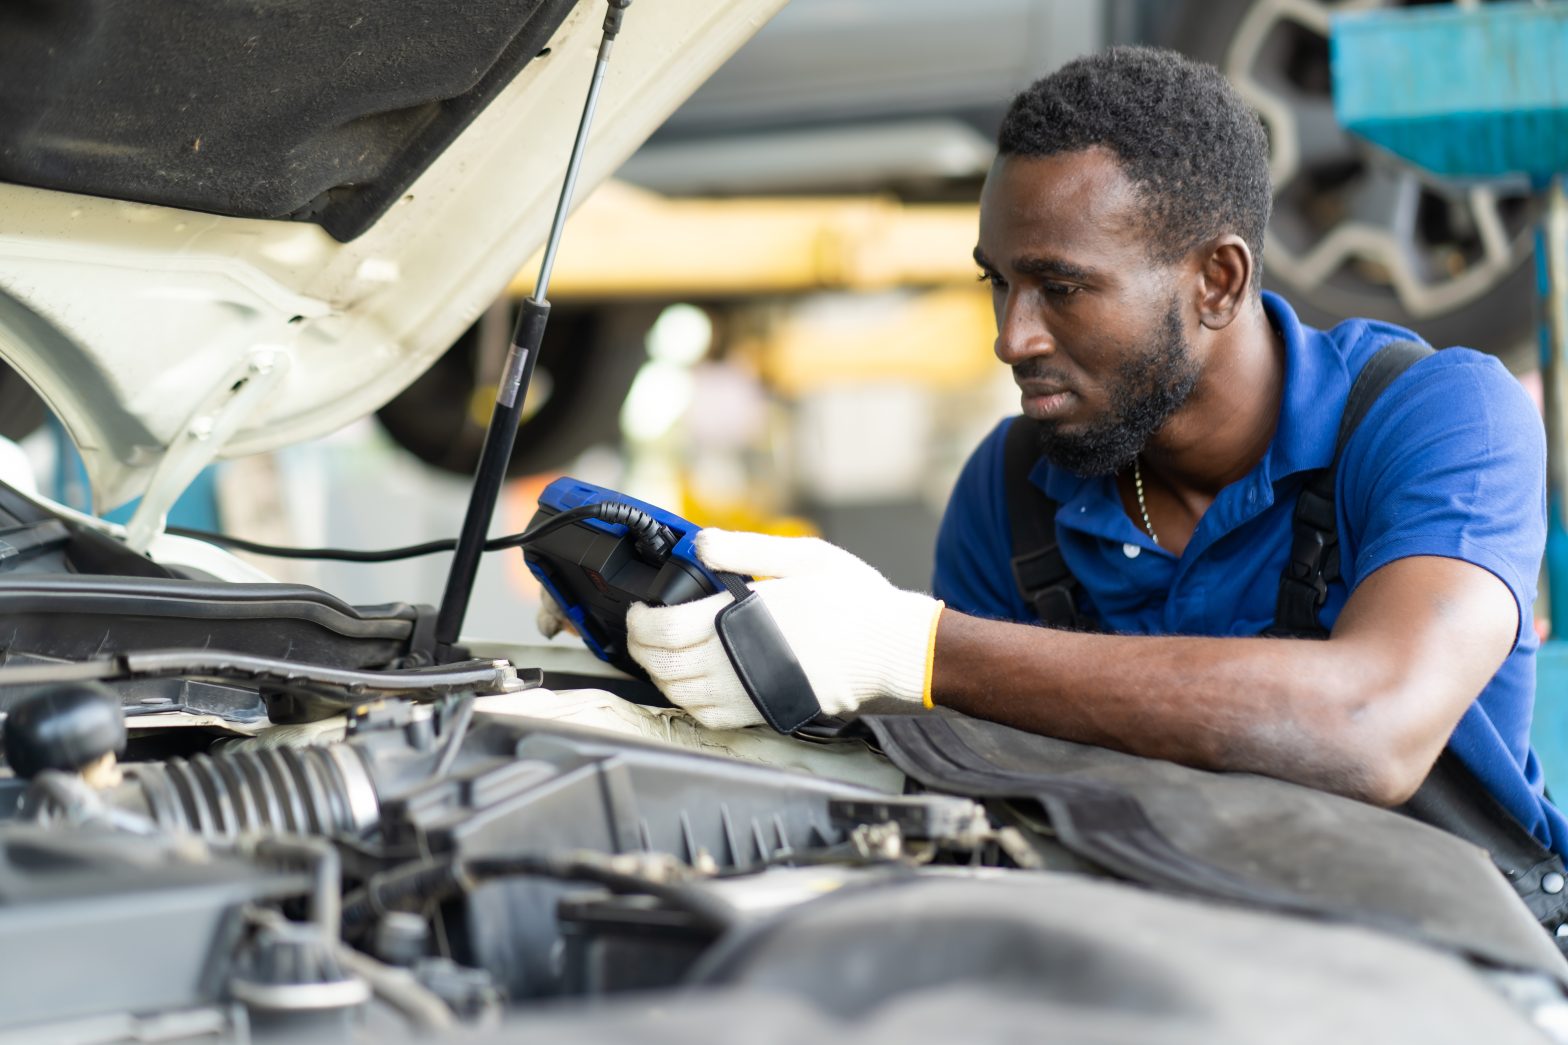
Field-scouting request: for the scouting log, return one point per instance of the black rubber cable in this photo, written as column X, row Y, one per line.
column 339, row 554
column 653, row 538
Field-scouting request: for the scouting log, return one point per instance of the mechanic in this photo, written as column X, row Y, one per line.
column 1179, row 411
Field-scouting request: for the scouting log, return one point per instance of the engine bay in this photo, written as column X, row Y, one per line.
column 238, row 811
column 467, row 857
column 241, row 808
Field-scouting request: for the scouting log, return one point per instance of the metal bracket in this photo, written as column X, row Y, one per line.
column 209, row 429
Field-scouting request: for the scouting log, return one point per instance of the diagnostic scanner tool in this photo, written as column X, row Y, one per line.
column 617, row 550
column 595, row 571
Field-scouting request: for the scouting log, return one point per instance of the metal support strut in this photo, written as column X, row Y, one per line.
column 518, row 370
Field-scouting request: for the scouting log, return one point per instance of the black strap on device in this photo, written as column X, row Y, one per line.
column 764, row 663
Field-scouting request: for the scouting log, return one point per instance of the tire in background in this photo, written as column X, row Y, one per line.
column 586, row 365
column 1499, row 318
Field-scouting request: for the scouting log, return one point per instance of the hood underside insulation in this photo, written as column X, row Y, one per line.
column 308, row 110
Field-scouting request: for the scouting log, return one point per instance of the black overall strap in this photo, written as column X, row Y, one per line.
column 1314, row 546
column 1049, row 588
column 1453, row 799
column 1041, row 574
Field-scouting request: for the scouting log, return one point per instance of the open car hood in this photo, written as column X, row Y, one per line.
column 228, row 227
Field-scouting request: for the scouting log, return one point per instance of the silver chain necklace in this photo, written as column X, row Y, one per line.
column 1143, row 506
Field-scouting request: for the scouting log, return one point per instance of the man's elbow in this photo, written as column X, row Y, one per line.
column 1388, row 774
column 1368, row 765
column 1376, row 781
column 1392, row 785
column 1383, row 741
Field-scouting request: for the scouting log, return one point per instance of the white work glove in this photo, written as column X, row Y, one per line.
column 855, row 635
column 552, row 620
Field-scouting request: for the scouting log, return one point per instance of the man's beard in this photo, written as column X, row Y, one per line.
column 1147, row 390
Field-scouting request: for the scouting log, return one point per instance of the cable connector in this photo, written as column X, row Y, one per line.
column 655, row 547
column 612, row 17
column 653, row 541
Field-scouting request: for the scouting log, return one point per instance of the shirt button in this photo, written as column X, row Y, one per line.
column 1132, row 551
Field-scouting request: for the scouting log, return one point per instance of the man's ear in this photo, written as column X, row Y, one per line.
column 1225, row 267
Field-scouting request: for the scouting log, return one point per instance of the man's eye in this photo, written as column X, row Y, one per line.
column 992, row 278
column 1061, row 290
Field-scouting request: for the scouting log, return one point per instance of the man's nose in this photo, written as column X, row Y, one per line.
column 1020, row 333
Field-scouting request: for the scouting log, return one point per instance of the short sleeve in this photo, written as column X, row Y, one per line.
column 973, row 571
column 1450, row 462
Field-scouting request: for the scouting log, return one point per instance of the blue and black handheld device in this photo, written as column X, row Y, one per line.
column 595, row 568
column 597, row 551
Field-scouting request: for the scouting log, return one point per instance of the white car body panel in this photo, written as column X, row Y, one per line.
column 134, row 322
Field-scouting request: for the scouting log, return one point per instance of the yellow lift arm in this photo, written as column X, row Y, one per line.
column 626, row 242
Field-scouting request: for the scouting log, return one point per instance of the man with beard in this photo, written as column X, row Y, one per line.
column 1178, row 413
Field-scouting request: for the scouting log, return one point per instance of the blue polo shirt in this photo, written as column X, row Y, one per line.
column 1450, row 461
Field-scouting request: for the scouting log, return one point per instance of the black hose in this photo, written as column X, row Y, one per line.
column 435, row 879
column 708, row 910
column 423, row 881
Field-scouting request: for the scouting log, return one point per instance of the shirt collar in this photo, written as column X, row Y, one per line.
column 1316, row 386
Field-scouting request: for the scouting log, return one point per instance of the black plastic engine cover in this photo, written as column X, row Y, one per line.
column 69, row 593
column 523, row 786
column 72, row 617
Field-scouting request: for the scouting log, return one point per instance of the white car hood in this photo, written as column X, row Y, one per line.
column 163, row 337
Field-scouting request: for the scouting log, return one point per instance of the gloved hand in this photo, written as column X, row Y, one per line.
column 855, row 635
column 552, row 620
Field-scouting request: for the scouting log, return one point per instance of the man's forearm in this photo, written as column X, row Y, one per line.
column 1364, row 713
column 1317, row 713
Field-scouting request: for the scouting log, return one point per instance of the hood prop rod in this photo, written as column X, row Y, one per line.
column 515, row 376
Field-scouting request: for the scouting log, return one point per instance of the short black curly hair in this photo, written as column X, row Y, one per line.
column 1195, row 150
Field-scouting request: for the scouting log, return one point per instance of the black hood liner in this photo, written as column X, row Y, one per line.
column 1235, row 837
column 308, row 110
column 1094, row 962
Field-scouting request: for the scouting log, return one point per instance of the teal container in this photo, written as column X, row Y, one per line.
column 1477, row 93
column 1549, row 730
